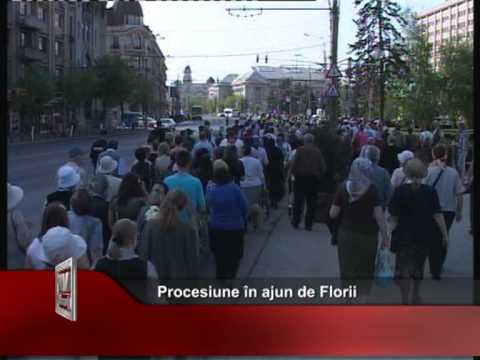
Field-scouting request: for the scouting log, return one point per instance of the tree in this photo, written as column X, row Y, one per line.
column 115, row 82
column 379, row 51
column 77, row 87
column 456, row 72
column 39, row 91
column 143, row 93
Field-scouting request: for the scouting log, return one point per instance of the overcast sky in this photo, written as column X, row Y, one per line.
column 191, row 28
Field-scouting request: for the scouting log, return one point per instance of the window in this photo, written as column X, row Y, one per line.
column 116, row 42
column 133, row 20
column 41, row 13
column 137, row 42
column 72, row 25
column 23, row 39
column 22, row 71
column 58, row 48
column 22, row 8
column 42, row 44
column 59, row 20
column 58, row 73
column 29, row 9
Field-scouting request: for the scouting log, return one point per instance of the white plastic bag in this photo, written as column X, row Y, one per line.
column 384, row 267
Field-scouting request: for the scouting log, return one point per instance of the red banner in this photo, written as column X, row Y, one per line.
column 111, row 323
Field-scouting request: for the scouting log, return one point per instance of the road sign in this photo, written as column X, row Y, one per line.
column 332, row 91
column 334, row 72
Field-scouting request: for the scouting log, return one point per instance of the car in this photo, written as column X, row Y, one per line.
column 151, row 123
column 197, row 117
column 130, row 118
column 167, row 123
column 228, row 112
column 221, row 114
column 179, row 118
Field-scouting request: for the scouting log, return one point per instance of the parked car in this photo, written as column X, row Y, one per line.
column 151, row 123
column 197, row 117
column 166, row 123
column 221, row 114
column 179, row 118
column 130, row 118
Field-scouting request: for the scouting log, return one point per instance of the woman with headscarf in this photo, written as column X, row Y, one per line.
column 274, row 172
column 235, row 166
column 362, row 217
column 202, row 167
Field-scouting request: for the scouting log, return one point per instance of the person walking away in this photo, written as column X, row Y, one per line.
column 155, row 199
column 308, row 168
column 99, row 206
column 284, row 145
column 389, row 159
column 202, row 167
column 122, row 263
column 76, row 159
column 232, row 139
column 82, row 222
column 106, row 167
column 169, row 243
column 142, row 168
column 424, row 153
column 228, row 211
column 235, row 166
column 203, row 143
column 398, row 176
column 437, row 134
column 415, row 209
column 192, row 188
column 379, row 176
column 252, row 184
column 98, row 147
column 362, row 217
column 446, row 181
column 112, row 151
column 19, row 236
column 412, row 142
column 399, row 138
column 129, row 201
column 275, row 173
column 163, row 162
column 461, row 148
column 67, row 181
column 360, row 139
column 469, row 186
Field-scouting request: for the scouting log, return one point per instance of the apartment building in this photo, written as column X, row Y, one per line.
column 57, row 36
column 129, row 38
column 453, row 19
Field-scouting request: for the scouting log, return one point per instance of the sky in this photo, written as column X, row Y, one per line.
column 189, row 30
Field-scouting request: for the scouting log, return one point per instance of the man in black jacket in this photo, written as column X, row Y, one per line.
column 97, row 148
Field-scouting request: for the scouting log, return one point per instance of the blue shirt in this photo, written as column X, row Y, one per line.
column 203, row 145
column 227, row 207
column 190, row 186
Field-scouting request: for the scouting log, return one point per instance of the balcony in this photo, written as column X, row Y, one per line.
column 32, row 22
column 31, row 54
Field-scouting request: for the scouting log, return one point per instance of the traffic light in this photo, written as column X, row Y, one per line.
column 266, row 59
column 258, row 58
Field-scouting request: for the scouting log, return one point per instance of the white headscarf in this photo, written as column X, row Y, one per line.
column 359, row 178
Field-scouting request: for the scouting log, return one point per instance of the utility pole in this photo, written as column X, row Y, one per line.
column 334, row 20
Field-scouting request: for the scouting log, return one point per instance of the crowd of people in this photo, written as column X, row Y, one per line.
column 185, row 197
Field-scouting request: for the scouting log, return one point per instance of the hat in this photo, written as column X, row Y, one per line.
column 59, row 244
column 75, row 153
column 67, row 177
column 15, row 196
column 404, row 156
column 106, row 165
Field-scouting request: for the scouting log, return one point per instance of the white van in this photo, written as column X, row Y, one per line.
column 228, row 112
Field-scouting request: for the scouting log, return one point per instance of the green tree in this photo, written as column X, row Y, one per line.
column 115, row 82
column 143, row 93
column 39, row 91
column 77, row 87
column 380, row 50
column 456, row 72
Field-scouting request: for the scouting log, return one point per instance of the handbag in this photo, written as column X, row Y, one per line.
column 384, row 268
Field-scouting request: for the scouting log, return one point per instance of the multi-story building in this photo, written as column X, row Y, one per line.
column 265, row 82
column 453, row 19
column 129, row 38
column 222, row 89
column 190, row 91
column 58, row 37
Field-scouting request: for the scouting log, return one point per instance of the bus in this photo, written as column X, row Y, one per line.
column 196, row 113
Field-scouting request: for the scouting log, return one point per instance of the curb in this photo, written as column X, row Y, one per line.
column 68, row 139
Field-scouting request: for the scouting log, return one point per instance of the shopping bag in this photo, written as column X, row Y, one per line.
column 384, row 268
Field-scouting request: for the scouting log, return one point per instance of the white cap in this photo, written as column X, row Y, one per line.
column 67, row 177
column 404, row 156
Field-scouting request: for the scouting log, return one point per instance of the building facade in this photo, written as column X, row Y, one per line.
column 190, row 92
column 264, row 85
column 221, row 90
column 451, row 20
column 129, row 38
column 57, row 37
